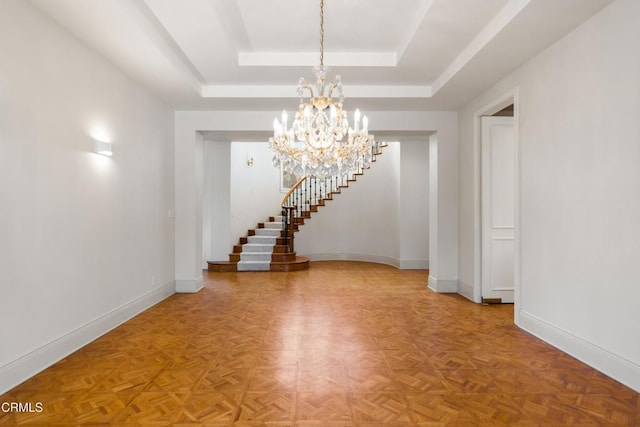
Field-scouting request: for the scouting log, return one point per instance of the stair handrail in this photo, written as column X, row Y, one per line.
column 292, row 189
column 306, row 194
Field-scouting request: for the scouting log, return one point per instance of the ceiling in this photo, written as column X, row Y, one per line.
column 249, row 54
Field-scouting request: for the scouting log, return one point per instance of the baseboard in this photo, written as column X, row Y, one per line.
column 466, row 291
column 41, row 358
column 622, row 370
column 416, row 264
column 443, row 286
column 379, row 259
column 189, row 286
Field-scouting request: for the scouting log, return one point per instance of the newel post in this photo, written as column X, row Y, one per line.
column 287, row 226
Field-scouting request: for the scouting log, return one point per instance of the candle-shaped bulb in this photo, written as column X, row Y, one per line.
column 284, row 120
column 356, row 120
column 333, row 115
column 276, row 127
column 365, row 124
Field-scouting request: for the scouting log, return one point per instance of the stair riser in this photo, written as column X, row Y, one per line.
column 268, row 232
column 255, row 248
column 263, row 240
column 248, row 256
column 254, row 267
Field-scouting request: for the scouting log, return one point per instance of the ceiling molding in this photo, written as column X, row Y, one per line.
column 201, row 54
column 488, row 33
column 230, row 19
column 288, row 91
column 413, row 27
column 159, row 35
column 310, row 59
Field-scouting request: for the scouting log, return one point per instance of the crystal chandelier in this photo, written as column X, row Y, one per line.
column 320, row 142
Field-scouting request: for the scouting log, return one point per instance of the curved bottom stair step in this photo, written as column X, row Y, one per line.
column 300, row 263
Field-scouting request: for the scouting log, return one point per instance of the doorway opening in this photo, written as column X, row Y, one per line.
column 497, row 202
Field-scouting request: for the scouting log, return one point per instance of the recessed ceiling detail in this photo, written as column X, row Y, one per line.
column 245, row 54
column 310, row 59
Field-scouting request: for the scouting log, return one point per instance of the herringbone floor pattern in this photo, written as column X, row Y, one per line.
column 342, row 344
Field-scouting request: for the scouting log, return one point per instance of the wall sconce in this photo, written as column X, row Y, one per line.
column 250, row 159
column 103, row 148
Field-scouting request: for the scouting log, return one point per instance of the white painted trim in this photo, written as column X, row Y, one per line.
column 512, row 96
column 506, row 15
column 465, row 290
column 286, row 91
column 618, row 368
column 30, row 364
column 419, row 14
column 442, row 286
column 414, row 264
column 517, row 261
column 189, row 286
column 378, row 259
column 310, row 59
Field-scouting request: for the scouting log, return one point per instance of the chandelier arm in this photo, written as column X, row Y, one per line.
column 308, row 86
column 332, row 86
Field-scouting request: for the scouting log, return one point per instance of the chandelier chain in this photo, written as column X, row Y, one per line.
column 321, row 32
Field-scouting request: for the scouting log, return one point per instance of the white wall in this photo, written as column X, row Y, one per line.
column 255, row 190
column 216, row 227
column 363, row 221
column 579, row 103
column 236, row 196
column 85, row 240
column 414, row 204
column 382, row 217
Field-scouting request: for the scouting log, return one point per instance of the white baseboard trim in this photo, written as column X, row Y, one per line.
column 442, row 286
column 30, row 364
column 379, row 259
column 466, row 291
column 618, row 368
column 416, row 264
column 189, row 286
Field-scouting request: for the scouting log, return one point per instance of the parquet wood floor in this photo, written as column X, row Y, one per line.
column 341, row 344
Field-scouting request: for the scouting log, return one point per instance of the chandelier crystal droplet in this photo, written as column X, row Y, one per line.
column 319, row 141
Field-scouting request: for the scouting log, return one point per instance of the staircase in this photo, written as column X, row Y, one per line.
column 257, row 252
column 270, row 246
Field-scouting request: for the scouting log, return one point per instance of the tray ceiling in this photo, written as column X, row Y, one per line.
column 249, row 54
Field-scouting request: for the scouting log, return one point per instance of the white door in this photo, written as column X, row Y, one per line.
column 498, row 209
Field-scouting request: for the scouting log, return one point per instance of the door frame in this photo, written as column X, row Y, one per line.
column 510, row 97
